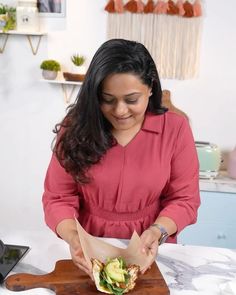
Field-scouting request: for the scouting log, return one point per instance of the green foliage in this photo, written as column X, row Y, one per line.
column 8, row 16
column 3, row 9
column 77, row 59
column 50, row 65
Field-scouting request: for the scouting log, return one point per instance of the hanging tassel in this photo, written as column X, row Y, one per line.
column 197, row 9
column 158, row 8
column 172, row 8
column 188, row 8
column 180, row 6
column 140, row 6
column 165, row 7
column 110, row 7
column 161, row 7
column 149, row 7
column 131, row 6
column 134, row 6
column 119, row 7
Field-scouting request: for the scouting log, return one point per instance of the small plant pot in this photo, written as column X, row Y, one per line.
column 73, row 77
column 81, row 70
column 49, row 75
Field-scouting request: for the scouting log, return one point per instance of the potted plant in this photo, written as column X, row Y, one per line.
column 78, row 62
column 50, row 69
column 3, row 16
column 7, row 18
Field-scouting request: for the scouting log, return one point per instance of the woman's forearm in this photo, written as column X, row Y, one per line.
column 169, row 225
column 66, row 229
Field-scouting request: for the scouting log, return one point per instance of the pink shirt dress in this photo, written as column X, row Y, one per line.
column 155, row 174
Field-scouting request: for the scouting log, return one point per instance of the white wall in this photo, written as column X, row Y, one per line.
column 29, row 109
column 210, row 100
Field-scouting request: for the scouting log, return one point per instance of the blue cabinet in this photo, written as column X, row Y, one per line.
column 216, row 225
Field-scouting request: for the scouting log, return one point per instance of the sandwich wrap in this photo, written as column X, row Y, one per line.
column 114, row 277
column 97, row 253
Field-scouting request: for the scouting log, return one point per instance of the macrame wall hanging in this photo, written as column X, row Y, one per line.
column 171, row 31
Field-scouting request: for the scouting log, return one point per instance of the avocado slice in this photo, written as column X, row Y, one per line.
column 107, row 278
column 114, row 270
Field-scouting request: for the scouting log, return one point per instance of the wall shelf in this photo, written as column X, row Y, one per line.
column 29, row 35
column 67, row 87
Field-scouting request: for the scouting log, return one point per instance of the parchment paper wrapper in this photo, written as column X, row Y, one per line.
column 95, row 248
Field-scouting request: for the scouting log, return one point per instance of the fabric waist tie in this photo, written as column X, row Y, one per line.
column 120, row 216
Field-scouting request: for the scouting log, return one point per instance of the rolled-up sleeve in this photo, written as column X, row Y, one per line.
column 181, row 198
column 61, row 196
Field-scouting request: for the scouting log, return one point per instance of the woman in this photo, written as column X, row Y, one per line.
column 122, row 162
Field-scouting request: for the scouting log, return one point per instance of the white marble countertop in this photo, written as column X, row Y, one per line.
column 222, row 183
column 188, row 270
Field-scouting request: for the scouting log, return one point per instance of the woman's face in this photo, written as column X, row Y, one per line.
column 124, row 100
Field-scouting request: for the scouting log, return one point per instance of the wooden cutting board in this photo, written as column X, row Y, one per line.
column 67, row 279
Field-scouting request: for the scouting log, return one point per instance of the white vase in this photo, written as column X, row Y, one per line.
column 231, row 167
column 27, row 16
column 78, row 69
column 49, row 75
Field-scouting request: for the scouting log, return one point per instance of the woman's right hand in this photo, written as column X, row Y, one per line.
column 67, row 230
column 78, row 256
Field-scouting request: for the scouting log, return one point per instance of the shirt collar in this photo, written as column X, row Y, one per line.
column 152, row 123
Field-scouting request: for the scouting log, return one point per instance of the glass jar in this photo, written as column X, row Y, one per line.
column 27, row 16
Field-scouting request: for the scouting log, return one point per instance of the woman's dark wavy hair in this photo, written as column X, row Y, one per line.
column 84, row 135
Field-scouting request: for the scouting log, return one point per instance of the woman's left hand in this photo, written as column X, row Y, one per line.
column 149, row 244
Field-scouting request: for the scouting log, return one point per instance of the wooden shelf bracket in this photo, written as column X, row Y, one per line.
column 68, row 87
column 4, row 38
column 29, row 35
column 68, row 91
column 34, row 49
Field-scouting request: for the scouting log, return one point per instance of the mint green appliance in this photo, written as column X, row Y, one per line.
column 209, row 156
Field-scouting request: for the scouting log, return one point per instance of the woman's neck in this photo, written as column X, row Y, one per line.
column 123, row 137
